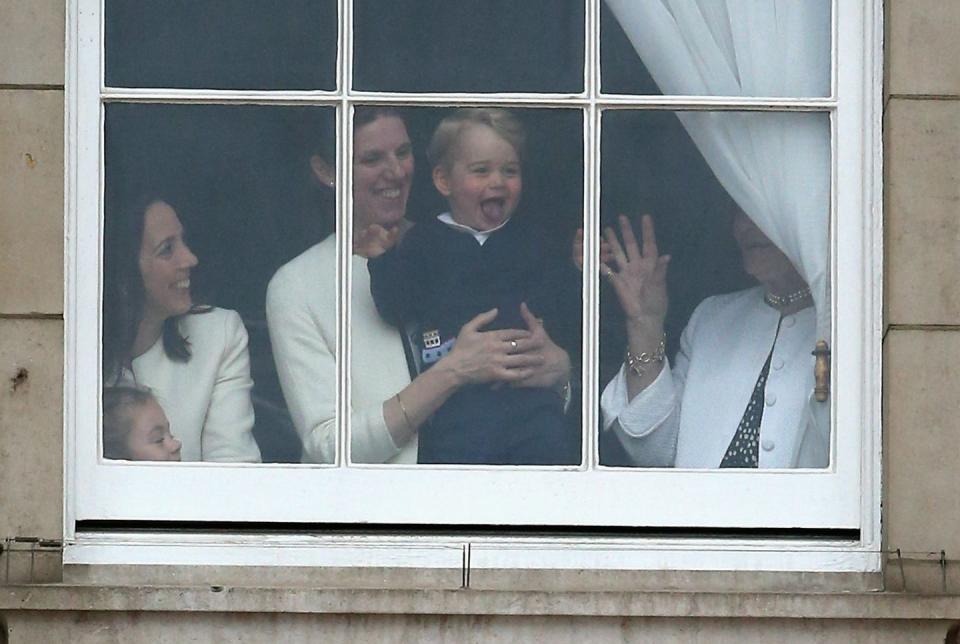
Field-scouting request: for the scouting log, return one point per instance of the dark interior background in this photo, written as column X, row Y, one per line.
column 227, row 44
column 469, row 45
column 241, row 173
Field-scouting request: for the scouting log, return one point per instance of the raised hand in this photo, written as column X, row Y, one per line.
column 638, row 275
column 577, row 254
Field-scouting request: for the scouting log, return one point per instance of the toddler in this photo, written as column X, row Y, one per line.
column 135, row 427
column 478, row 256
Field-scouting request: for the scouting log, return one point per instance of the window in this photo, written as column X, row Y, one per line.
column 224, row 171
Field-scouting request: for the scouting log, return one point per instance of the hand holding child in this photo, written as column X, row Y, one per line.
column 554, row 368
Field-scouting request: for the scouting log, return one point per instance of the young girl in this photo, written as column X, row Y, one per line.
column 477, row 257
column 135, row 427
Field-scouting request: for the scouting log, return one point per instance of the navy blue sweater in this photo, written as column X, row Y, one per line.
column 439, row 279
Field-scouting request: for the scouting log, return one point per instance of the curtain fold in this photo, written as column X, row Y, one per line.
column 775, row 165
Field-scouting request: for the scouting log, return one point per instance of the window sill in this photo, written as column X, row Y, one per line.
column 485, row 563
column 219, row 599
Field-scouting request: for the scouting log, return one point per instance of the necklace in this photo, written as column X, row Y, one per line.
column 783, row 301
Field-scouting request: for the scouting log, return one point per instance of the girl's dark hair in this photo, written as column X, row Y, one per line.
column 117, row 402
column 123, row 292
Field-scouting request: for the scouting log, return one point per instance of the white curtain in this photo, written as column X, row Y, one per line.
column 776, row 166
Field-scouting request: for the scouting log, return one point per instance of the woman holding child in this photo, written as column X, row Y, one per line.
column 387, row 407
column 192, row 358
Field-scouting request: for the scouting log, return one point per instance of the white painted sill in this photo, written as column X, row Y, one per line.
column 501, row 563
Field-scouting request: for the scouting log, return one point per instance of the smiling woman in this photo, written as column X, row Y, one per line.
column 389, row 410
column 193, row 358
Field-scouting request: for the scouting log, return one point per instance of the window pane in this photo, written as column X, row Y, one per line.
column 288, row 44
column 203, row 205
column 716, row 48
column 740, row 204
column 493, row 219
column 469, row 45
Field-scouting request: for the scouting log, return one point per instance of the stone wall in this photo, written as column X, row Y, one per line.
column 921, row 510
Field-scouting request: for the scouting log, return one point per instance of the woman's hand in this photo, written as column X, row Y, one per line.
column 489, row 356
column 577, row 254
column 374, row 240
column 554, row 370
column 639, row 277
column 508, row 355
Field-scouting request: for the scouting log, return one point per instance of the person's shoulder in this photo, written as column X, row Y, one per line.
column 718, row 308
column 427, row 230
column 210, row 321
column 737, row 300
column 308, row 268
column 318, row 257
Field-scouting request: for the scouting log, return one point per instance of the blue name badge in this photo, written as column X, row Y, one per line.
column 435, row 353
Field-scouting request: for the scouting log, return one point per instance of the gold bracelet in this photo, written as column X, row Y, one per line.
column 637, row 362
column 403, row 410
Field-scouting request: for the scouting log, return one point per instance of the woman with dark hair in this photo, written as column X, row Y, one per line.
column 387, row 407
column 193, row 358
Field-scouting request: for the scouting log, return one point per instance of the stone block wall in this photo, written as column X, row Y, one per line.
column 31, row 266
column 921, row 511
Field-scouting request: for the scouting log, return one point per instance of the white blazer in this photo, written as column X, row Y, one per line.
column 207, row 398
column 687, row 417
column 302, row 318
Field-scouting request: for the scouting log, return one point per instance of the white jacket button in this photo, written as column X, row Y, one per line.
column 770, row 399
column 767, row 445
column 777, row 364
column 789, row 321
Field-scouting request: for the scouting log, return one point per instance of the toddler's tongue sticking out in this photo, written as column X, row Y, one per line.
column 494, row 210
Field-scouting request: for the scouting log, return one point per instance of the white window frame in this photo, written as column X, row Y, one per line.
column 467, row 496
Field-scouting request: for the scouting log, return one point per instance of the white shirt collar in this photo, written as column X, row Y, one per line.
column 480, row 236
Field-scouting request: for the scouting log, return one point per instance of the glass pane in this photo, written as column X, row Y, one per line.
column 282, row 45
column 486, row 222
column 469, row 45
column 203, row 206
column 775, row 48
column 731, row 268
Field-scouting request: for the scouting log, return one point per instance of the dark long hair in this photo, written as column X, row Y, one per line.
column 366, row 114
column 123, row 293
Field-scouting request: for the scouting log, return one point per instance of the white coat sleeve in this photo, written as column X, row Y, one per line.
column 227, row 434
column 648, row 425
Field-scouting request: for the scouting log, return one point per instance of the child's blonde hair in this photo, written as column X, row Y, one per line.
column 117, row 419
column 447, row 135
